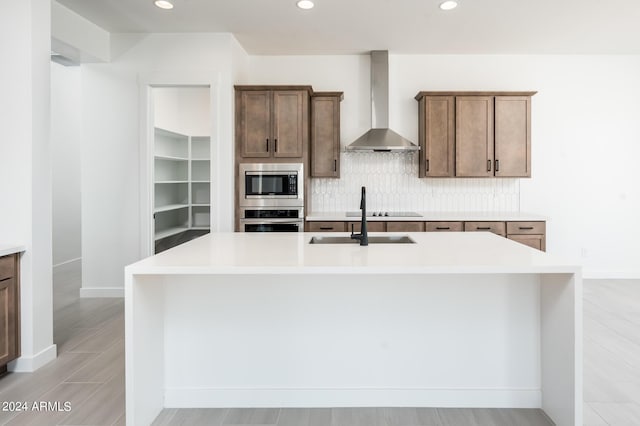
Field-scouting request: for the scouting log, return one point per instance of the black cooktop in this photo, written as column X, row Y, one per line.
column 383, row 213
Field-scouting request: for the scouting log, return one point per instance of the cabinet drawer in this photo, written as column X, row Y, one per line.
column 371, row 226
column 7, row 267
column 534, row 241
column 520, row 228
column 495, row 227
column 444, row 227
column 405, row 226
column 325, row 227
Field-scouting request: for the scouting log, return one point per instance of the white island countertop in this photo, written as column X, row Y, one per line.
column 268, row 320
column 432, row 217
column 282, row 253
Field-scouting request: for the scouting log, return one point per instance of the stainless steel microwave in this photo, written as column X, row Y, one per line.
column 271, row 184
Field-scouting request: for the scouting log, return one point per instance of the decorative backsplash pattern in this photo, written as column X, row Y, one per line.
column 392, row 184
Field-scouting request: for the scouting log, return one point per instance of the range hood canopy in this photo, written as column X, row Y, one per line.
column 380, row 138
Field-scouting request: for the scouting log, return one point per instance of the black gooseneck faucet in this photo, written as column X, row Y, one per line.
column 362, row 236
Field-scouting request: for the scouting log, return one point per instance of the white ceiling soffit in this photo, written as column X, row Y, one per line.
column 401, row 26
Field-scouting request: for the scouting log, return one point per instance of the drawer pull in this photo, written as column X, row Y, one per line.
column 526, row 228
column 488, row 165
column 442, row 228
column 276, row 146
column 335, row 165
column 483, row 228
column 267, row 144
column 427, row 164
column 326, row 228
column 497, row 165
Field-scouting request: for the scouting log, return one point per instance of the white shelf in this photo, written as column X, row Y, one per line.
column 170, row 207
column 172, row 181
column 201, row 205
column 170, row 231
column 170, row 158
column 200, row 181
column 200, row 159
column 200, row 228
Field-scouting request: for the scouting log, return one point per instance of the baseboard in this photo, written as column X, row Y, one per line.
column 29, row 364
column 87, row 292
column 268, row 398
column 68, row 265
column 610, row 274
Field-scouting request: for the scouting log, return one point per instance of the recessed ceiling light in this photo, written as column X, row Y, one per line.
column 305, row 4
column 448, row 5
column 163, row 4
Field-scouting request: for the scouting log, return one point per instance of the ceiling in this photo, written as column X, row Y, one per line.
column 271, row 27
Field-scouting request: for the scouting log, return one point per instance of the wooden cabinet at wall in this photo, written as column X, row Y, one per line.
column 371, row 226
column 532, row 234
column 436, row 135
column 405, row 226
column 9, row 310
column 495, row 227
column 272, row 122
column 325, row 134
column 489, row 132
column 444, row 226
column 327, row 226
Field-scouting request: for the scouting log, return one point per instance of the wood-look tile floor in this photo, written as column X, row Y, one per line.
column 89, row 373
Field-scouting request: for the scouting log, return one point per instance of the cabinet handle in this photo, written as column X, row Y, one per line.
column 488, row 165
column 335, row 165
column 442, row 228
column 526, row 228
column 497, row 165
column 479, row 228
column 276, row 146
column 267, row 144
column 326, row 228
column 427, row 164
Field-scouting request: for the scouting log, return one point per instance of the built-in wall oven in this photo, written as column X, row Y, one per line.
column 271, row 197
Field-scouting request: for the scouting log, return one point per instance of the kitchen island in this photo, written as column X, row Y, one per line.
column 269, row 320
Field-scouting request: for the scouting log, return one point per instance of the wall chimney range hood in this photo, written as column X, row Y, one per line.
column 380, row 138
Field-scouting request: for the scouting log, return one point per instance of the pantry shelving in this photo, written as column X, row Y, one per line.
column 182, row 170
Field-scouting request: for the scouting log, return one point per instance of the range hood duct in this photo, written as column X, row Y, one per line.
column 380, row 138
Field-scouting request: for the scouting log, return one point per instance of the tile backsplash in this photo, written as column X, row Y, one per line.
column 392, row 184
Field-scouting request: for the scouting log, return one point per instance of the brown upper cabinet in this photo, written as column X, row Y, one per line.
column 325, row 134
column 272, row 121
column 475, row 134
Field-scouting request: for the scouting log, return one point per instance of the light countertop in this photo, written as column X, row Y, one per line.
column 6, row 249
column 433, row 217
column 291, row 253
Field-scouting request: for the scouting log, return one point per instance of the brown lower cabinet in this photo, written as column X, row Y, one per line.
column 444, row 226
column 405, row 226
column 495, row 227
column 326, row 226
column 371, row 226
column 532, row 233
column 9, row 310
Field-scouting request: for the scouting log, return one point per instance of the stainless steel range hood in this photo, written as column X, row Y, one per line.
column 380, row 138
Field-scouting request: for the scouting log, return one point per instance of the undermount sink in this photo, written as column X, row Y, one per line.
column 378, row 239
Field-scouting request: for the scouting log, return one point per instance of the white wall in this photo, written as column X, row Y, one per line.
column 586, row 135
column 111, row 215
column 66, row 128
column 25, row 168
column 184, row 110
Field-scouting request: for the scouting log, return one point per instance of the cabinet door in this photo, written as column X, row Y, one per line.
column 474, row 136
column 513, row 136
column 8, row 318
column 326, row 226
column 405, row 226
column 255, row 123
column 495, row 227
column 534, row 241
column 371, row 226
column 325, row 136
column 289, row 123
column 444, row 227
column 436, row 136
